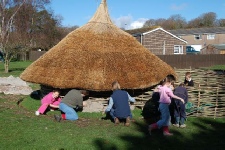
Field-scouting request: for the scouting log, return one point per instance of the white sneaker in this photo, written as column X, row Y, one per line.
column 176, row 125
column 183, row 126
column 37, row 113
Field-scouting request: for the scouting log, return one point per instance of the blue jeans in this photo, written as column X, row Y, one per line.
column 112, row 111
column 165, row 115
column 70, row 113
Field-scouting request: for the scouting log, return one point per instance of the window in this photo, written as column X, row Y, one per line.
column 210, row 36
column 198, row 37
column 178, row 49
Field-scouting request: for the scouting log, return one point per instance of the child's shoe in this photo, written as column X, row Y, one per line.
column 116, row 121
column 167, row 133
column 37, row 113
column 152, row 127
column 57, row 118
column 127, row 121
column 183, row 126
column 176, row 125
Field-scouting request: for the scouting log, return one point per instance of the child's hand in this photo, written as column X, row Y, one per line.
column 182, row 101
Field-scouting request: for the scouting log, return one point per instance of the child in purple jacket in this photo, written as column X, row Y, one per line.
column 51, row 100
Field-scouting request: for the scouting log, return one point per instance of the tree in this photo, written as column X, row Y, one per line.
column 8, row 10
column 221, row 22
column 16, row 26
column 173, row 22
column 204, row 20
column 209, row 19
column 149, row 23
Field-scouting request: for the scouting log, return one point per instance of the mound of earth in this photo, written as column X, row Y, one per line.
column 14, row 85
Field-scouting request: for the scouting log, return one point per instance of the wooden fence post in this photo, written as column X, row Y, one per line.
column 199, row 97
column 216, row 103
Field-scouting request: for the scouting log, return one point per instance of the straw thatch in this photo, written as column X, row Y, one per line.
column 94, row 55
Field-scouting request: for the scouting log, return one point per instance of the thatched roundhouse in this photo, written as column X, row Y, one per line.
column 94, row 55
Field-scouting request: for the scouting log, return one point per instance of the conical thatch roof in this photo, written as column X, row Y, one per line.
column 94, row 55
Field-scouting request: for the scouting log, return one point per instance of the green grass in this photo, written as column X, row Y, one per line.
column 15, row 68
column 21, row 129
column 218, row 67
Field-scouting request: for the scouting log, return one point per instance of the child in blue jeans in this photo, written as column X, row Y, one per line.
column 165, row 99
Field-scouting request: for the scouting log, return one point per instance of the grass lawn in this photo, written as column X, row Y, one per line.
column 15, row 68
column 21, row 129
column 218, row 67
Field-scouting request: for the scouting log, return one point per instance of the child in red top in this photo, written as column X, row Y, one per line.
column 50, row 100
column 165, row 99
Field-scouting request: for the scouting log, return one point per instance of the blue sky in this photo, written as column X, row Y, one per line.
column 131, row 14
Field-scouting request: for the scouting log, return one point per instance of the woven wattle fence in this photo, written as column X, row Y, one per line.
column 208, row 95
column 206, row 98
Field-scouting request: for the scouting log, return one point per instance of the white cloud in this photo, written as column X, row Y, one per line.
column 138, row 23
column 123, row 21
column 127, row 22
column 178, row 7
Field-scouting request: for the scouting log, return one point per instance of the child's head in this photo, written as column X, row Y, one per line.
column 182, row 84
column 56, row 93
column 115, row 85
column 169, row 80
column 84, row 93
column 188, row 75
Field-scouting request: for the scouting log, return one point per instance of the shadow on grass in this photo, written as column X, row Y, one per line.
column 105, row 145
column 201, row 133
column 36, row 95
column 17, row 69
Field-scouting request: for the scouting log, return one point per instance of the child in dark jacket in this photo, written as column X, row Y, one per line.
column 179, row 108
column 188, row 80
column 118, row 107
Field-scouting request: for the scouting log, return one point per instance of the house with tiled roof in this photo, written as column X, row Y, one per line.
column 213, row 49
column 159, row 41
column 201, row 37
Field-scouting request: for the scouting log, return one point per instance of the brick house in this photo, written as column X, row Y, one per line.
column 201, row 37
column 213, row 49
column 159, row 41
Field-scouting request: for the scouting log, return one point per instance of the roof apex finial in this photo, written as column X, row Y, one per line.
column 102, row 14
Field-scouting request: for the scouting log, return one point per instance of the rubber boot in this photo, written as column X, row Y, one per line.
column 166, row 131
column 152, row 127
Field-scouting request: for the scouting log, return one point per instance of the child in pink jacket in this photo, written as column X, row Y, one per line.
column 50, row 100
column 165, row 99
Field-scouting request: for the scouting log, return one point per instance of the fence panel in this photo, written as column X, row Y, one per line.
column 193, row 61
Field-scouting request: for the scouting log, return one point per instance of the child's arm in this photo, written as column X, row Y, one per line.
column 176, row 97
column 54, row 106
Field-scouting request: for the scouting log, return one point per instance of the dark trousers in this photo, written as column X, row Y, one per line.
column 112, row 114
column 179, row 112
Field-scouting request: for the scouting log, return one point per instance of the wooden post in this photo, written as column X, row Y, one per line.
column 199, row 96
column 216, row 103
